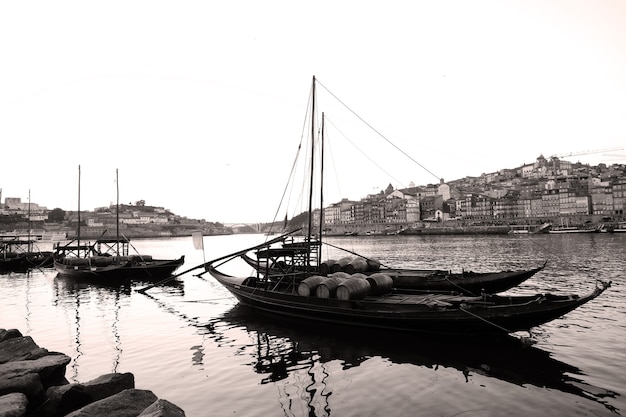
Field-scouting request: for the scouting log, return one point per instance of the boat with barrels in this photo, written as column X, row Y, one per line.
column 275, row 261
column 293, row 286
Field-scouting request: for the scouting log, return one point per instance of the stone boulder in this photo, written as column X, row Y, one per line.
column 64, row 399
column 50, row 368
column 13, row 405
column 9, row 334
column 128, row 403
column 33, row 384
column 109, row 384
column 20, row 348
column 29, row 385
column 162, row 408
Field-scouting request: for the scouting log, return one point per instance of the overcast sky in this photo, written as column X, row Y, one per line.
column 200, row 104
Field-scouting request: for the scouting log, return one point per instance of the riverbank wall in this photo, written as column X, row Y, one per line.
column 33, row 384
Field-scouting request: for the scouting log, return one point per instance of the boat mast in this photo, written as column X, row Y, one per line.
column 117, row 215
column 30, row 245
column 308, row 256
column 78, row 232
column 321, row 186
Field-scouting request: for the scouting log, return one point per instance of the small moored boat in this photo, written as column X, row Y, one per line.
column 109, row 259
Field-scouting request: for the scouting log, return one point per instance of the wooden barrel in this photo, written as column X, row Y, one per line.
column 356, row 265
column 328, row 288
column 141, row 258
column 380, row 283
column 102, row 261
column 308, row 285
column 358, row 275
column 327, row 266
column 339, row 274
column 353, row 289
column 341, row 264
column 373, row 265
column 76, row 261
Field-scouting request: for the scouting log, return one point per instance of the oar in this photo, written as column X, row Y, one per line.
column 163, row 281
column 205, row 264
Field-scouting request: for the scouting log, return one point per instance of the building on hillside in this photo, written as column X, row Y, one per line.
column 619, row 196
column 429, row 205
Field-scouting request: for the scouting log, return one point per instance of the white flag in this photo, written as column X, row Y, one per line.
column 198, row 241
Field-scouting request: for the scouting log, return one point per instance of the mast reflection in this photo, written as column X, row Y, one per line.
column 74, row 297
column 286, row 348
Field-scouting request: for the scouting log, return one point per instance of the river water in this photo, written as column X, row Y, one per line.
column 192, row 344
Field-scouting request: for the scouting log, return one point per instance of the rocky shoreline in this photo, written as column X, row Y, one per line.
column 33, row 384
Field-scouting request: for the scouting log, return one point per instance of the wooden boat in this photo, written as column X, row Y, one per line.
column 571, row 229
column 404, row 280
column 361, row 301
column 426, row 313
column 17, row 255
column 109, row 259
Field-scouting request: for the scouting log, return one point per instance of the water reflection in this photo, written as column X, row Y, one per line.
column 284, row 349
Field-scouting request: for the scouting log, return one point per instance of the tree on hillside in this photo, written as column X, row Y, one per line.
column 56, row 215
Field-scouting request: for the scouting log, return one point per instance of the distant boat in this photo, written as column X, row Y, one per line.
column 620, row 228
column 614, row 228
column 109, row 259
column 566, row 227
column 18, row 255
column 456, row 230
column 529, row 229
column 570, row 229
column 35, row 235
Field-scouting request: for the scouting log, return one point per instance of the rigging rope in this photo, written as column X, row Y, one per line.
column 377, row 132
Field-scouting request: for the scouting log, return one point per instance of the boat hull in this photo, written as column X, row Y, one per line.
column 26, row 261
column 462, row 316
column 153, row 270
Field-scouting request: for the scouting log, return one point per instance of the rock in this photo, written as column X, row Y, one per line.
column 162, row 408
column 29, row 385
column 33, row 384
column 51, row 368
column 128, row 403
column 64, row 399
column 13, row 405
column 20, row 348
column 9, row 334
column 109, row 384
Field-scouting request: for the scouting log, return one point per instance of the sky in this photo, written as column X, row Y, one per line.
column 199, row 105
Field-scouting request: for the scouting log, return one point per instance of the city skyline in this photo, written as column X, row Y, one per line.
column 488, row 183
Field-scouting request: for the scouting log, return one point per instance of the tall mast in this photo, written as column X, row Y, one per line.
column 308, row 256
column 117, row 214
column 30, row 245
column 322, row 185
column 78, row 232
column 312, row 158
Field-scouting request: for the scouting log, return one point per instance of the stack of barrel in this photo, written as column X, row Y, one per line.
column 349, row 265
column 347, row 279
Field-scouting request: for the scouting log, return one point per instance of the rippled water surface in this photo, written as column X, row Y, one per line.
column 192, row 344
